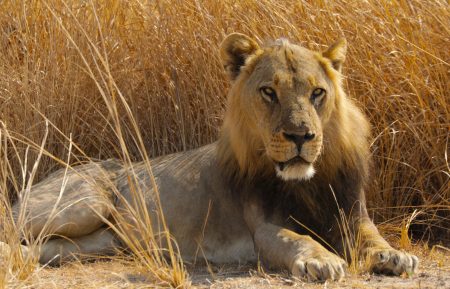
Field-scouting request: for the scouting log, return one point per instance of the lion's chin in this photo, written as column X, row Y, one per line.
column 299, row 172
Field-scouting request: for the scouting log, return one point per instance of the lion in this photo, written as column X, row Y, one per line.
column 291, row 159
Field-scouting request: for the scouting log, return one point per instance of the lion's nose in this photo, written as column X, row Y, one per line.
column 309, row 136
column 299, row 138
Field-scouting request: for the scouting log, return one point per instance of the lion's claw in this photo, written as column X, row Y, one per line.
column 393, row 262
column 320, row 269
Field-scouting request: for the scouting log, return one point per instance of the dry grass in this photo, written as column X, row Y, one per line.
column 126, row 78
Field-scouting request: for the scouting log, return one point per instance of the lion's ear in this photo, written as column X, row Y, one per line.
column 234, row 51
column 336, row 53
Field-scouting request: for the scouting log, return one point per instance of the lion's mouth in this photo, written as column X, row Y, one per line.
column 294, row 160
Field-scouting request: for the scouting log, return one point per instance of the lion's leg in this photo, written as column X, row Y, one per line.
column 381, row 256
column 300, row 254
column 71, row 204
column 100, row 243
column 72, row 219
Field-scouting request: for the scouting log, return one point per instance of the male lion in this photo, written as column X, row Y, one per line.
column 293, row 154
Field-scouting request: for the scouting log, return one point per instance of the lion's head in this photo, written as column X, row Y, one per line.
column 281, row 100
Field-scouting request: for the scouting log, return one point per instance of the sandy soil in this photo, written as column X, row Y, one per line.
column 434, row 272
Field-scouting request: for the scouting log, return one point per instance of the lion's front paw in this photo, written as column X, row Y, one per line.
column 393, row 262
column 321, row 268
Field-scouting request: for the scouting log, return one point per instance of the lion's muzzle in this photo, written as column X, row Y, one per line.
column 286, row 147
column 294, row 153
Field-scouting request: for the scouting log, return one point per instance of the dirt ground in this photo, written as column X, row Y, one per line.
column 434, row 272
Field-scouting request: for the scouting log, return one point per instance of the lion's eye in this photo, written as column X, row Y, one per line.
column 317, row 94
column 269, row 94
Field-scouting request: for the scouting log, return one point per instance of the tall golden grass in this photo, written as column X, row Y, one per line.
column 125, row 78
